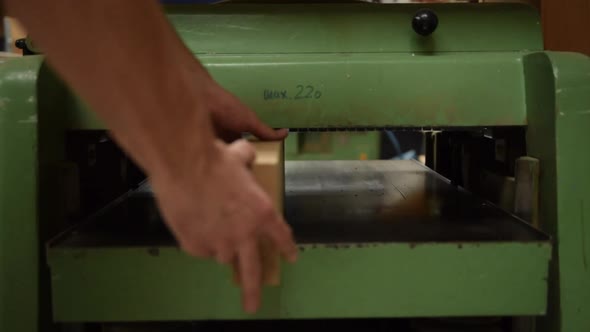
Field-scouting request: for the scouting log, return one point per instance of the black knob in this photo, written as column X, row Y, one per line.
column 24, row 46
column 425, row 22
column 21, row 44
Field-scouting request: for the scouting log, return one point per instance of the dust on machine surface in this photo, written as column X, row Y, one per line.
column 487, row 235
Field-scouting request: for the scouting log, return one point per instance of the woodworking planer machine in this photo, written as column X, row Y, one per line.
column 495, row 224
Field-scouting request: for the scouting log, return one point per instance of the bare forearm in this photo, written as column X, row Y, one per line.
column 126, row 61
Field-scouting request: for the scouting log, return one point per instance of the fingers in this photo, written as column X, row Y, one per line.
column 193, row 248
column 236, row 118
column 227, row 136
column 244, row 151
column 261, row 130
column 280, row 233
column 224, row 255
column 264, row 132
column 250, row 274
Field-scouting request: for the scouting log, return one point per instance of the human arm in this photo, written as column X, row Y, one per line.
column 164, row 110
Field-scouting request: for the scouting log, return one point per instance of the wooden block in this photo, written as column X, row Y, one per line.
column 269, row 172
column 268, row 169
column 16, row 31
column 526, row 193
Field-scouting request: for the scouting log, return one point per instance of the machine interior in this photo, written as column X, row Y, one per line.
column 453, row 198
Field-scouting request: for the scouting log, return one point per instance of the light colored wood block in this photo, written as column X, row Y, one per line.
column 268, row 169
column 16, row 31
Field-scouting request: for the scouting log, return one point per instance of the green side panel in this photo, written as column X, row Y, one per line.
column 333, row 146
column 19, row 238
column 398, row 280
column 559, row 119
column 541, row 144
column 572, row 127
column 353, row 28
column 369, row 90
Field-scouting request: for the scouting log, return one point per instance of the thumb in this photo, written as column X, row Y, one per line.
column 243, row 150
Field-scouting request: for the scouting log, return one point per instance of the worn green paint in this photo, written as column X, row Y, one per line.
column 354, row 28
column 559, row 116
column 51, row 172
column 371, row 90
column 370, row 67
column 376, row 280
column 572, row 76
column 19, row 238
column 483, row 76
column 31, row 100
column 541, row 143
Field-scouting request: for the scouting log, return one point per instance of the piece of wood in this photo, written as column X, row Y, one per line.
column 4, row 55
column 566, row 24
column 269, row 170
column 16, row 31
column 526, row 196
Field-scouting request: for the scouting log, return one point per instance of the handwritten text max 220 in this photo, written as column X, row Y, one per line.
column 301, row 92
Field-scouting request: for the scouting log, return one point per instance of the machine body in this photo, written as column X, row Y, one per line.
column 81, row 239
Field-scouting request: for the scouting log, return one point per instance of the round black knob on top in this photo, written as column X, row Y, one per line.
column 21, row 43
column 425, row 21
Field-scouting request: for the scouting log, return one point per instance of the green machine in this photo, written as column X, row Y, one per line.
column 81, row 240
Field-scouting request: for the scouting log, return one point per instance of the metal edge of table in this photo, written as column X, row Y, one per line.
column 380, row 280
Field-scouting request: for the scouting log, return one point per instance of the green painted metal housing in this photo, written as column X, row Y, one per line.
column 558, row 95
column 369, row 281
column 354, row 28
column 334, row 66
column 370, row 90
column 361, row 65
column 19, row 234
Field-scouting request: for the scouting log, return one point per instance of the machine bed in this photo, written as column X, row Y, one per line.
column 348, row 217
column 337, row 202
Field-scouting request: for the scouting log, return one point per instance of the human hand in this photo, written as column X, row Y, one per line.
column 216, row 210
column 231, row 117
